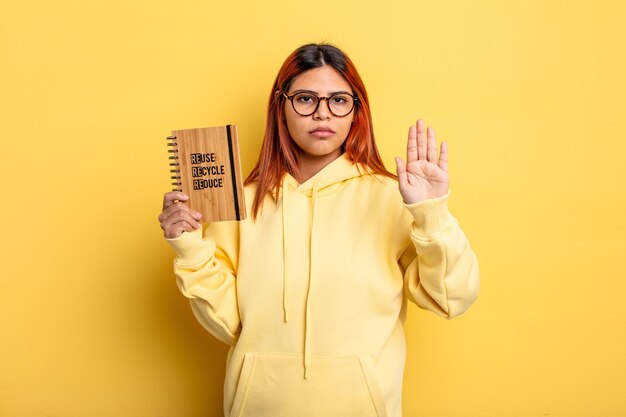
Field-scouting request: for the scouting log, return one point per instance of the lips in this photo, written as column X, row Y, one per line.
column 322, row 129
column 322, row 132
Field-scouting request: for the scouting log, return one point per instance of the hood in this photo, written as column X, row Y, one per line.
column 329, row 179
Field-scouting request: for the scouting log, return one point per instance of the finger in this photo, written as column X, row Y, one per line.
column 443, row 156
column 421, row 140
column 183, row 216
column 411, row 145
column 432, row 145
column 401, row 170
column 177, row 217
column 172, row 196
column 178, row 229
column 178, row 206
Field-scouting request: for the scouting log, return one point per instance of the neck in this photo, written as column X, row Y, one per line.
column 309, row 165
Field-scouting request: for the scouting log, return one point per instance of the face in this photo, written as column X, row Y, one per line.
column 321, row 134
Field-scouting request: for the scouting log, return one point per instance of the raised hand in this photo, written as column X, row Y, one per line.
column 423, row 176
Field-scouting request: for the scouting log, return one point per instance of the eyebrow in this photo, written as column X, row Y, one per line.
column 316, row 93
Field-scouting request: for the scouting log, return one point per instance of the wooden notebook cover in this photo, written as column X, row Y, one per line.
column 207, row 168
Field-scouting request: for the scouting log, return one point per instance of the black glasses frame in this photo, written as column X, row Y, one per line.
column 355, row 99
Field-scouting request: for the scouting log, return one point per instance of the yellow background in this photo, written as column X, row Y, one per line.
column 530, row 96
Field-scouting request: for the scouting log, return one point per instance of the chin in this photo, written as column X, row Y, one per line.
column 322, row 154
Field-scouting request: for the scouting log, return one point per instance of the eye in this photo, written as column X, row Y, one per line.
column 340, row 99
column 305, row 98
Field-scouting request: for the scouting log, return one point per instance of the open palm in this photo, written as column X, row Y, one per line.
column 423, row 176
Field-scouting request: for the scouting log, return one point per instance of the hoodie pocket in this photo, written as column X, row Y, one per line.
column 273, row 385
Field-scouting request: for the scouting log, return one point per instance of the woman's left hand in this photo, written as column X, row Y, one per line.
column 423, row 176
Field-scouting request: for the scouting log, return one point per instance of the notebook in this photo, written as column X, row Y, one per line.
column 206, row 166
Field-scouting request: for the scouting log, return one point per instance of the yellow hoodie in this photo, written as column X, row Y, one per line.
column 312, row 295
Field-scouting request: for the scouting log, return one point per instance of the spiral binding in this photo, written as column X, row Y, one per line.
column 174, row 163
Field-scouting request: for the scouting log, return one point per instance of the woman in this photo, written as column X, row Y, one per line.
column 311, row 290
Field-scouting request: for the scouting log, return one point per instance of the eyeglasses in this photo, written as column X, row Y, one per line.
column 305, row 103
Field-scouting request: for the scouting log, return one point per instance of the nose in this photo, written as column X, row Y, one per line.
column 323, row 110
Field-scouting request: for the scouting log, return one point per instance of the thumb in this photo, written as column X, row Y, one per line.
column 401, row 170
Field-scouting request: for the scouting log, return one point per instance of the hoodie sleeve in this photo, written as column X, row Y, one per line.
column 206, row 273
column 440, row 269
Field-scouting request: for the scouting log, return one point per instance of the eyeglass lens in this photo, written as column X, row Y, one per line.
column 339, row 105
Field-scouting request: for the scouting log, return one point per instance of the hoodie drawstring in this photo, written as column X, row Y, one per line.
column 285, row 272
column 338, row 171
column 308, row 318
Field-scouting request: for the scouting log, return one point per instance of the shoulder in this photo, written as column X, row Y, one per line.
column 249, row 190
column 380, row 190
column 379, row 183
column 381, row 195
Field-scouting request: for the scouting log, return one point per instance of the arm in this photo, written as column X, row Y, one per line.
column 440, row 269
column 205, row 271
column 206, row 274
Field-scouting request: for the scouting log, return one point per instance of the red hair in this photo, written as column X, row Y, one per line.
column 279, row 153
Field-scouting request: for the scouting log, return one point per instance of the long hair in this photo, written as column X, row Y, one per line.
column 279, row 153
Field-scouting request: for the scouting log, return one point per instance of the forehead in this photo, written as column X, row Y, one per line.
column 321, row 80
